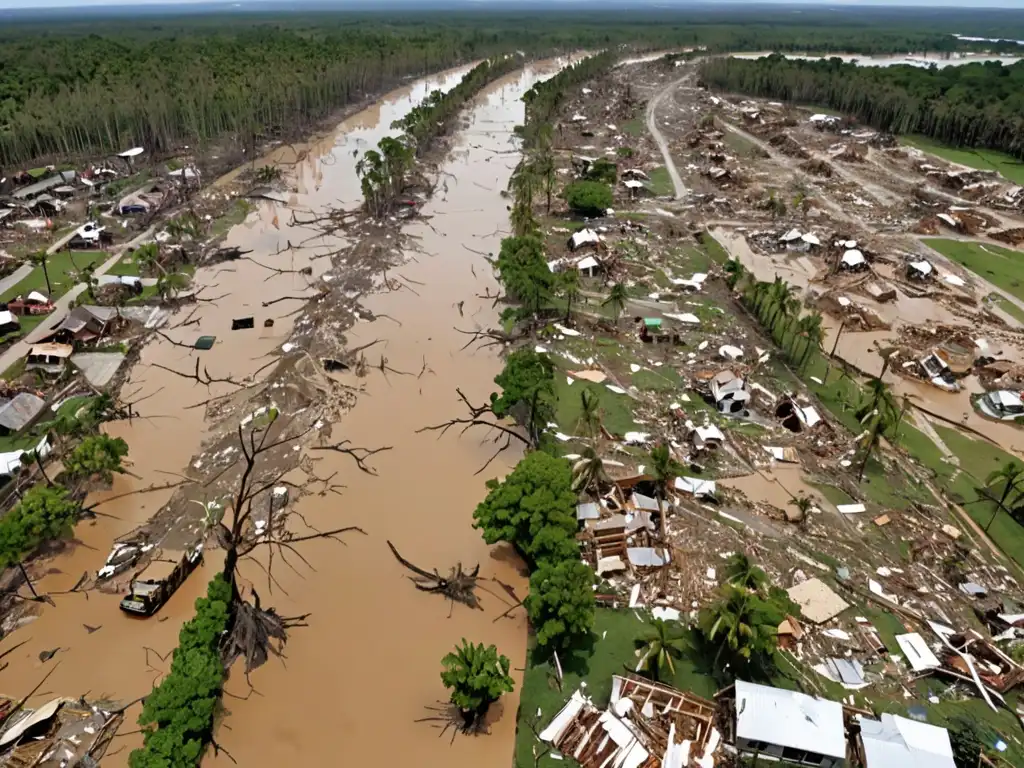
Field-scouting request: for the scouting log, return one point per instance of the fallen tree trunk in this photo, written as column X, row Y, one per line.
column 459, row 586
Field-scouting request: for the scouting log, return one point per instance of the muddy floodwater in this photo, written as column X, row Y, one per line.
column 368, row 664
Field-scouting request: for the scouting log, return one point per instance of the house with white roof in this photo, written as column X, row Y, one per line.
column 896, row 742
column 789, row 725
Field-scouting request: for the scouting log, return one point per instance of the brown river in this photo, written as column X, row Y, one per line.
column 354, row 681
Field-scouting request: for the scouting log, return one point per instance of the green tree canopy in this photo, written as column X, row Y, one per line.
column 533, row 508
column 45, row 512
column 527, row 391
column 96, row 456
column 476, row 676
column 178, row 714
column 588, row 198
column 561, row 602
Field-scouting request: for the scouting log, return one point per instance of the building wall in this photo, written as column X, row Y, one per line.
column 775, row 752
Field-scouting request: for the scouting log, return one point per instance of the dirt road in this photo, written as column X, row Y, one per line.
column 659, row 138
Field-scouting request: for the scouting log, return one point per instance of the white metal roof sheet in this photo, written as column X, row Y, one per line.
column 789, row 719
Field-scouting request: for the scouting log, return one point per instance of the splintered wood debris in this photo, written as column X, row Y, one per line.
column 647, row 725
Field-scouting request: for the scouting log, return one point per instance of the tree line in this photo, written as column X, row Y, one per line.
column 99, row 89
column 973, row 105
column 383, row 172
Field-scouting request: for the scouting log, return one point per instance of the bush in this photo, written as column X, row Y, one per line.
column 561, row 603
column 178, row 714
column 589, row 198
column 603, row 170
column 534, row 509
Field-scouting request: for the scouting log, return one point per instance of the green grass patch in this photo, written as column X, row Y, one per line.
column 978, row 459
column 714, row 249
column 740, row 145
column 660, row 182
column 835, row 495
column 71, row 406
column 616, row 414
column 661, row 379
column 634, row 127
column 235, row 215
column 1007, row 306
column 1002, row 267
column 612, row 654
column 63, row 268
column 982, row 159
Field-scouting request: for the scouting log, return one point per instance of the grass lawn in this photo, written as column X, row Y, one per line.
column 1002, row 267
column 661, row 182
column 235, row 215
column 1007, row 306
column 59, row 266
column 635, row 127
column 616, row 414
column 982, row 159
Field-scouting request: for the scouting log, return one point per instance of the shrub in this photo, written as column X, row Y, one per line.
column 589, row 198
column 561, row 603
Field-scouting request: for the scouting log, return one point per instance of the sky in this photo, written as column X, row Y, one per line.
column 1019, row 4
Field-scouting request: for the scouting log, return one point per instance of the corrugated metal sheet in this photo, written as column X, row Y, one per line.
column 917, row 653
column 896, row 742
column 789, row 719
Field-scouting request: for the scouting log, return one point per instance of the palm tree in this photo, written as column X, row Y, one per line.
column 590, row 413
column 658, row 644
column 523, row 183
column 617, row 299
column 812, row 332
column 735, row 273
column 588, row 471
column 877, row 409
column 803, row 505
column 147, row 257
column 663, row 469
column 39, row 258
column 735, row 623
column 741, row 571
column 1009, row 476
column 63, row 428
column 569, row 283
column 170, row 285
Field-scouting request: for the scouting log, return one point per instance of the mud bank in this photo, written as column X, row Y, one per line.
column 163, row 443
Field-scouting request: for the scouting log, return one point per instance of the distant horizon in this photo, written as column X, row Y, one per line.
column 28, row 6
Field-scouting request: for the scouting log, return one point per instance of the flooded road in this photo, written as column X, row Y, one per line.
column 370, row 660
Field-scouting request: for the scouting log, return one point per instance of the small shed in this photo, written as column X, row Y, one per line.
column 584, row 238
column 588, row 267
column 853, row 260
column 920, row 270
column 708, row 437
column 84, row 323
column 19, row 412
column 9, row 323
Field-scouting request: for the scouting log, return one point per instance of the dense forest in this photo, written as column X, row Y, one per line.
column 92, row 88
column 975, row 105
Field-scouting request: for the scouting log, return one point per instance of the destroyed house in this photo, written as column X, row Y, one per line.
column 19, row 412
column 32, row 191
column 83, row 324
column 9, row 322
column 728, row 392
column 49, row 358
column 790, row 726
